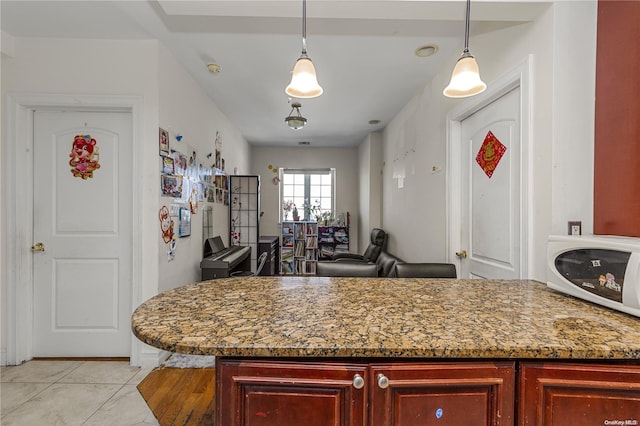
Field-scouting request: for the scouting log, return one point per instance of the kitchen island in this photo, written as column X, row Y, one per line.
column 394, row 351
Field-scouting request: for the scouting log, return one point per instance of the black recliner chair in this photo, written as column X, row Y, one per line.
column 378, row 244
column 346, row 269
column 425, row 270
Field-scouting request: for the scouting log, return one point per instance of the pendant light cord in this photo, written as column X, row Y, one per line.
column 304, row 27
column 466, row 27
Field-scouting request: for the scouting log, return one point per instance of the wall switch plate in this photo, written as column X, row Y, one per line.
column 575, row 228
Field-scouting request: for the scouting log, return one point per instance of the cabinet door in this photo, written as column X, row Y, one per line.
column 280, row 393
column 579, row 394
column 443, row 394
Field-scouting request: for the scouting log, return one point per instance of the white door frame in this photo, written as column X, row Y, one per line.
column 521, row 76
column 19, row 211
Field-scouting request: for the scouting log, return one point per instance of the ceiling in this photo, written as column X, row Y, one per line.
column 363, row 52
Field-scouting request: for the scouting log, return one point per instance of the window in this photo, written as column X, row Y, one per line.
column 311, row 192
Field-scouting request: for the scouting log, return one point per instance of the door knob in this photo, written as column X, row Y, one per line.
column 358, row 381
column 37, row 247
column 462, row 254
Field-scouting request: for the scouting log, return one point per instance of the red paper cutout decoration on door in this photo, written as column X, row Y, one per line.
column 84, row 156
column 490, row 154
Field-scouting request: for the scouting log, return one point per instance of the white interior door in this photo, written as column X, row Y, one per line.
column 82, row 217
column 491, row 190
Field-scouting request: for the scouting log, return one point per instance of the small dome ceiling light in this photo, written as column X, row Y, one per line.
column 295, row 120
column 214, row 68
column 426, row 51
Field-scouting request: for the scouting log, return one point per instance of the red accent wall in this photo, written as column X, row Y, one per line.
column 617, row 119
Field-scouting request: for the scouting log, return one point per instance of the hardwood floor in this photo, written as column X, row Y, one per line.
column 180, row 396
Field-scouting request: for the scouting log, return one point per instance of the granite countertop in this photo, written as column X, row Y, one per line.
column 383, row 317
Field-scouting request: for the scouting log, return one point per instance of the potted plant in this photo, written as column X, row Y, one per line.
column 286, row 207
column 326, row 217
column 296, row 216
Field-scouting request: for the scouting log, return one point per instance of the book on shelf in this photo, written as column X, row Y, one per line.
column 287, row 255
column 311, row 268
column 341, row 237
column 287, row 241
column 311, row 242
column 299, row 249
column 326, row 252
column 287, row 268
column 287, row 229
column 342, row 247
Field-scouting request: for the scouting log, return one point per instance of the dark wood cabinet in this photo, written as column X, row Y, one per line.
column 258, row 392
column 280, row 393
column 617, row 128
column 252, row 392
column 558, row 394
column 455, row 393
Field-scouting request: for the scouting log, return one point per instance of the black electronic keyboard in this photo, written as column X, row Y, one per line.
column 219, row 261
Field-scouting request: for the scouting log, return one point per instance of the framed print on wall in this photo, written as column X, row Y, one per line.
column 164, row 143
column 184, row 222
column 167, row 165
column 171, row 185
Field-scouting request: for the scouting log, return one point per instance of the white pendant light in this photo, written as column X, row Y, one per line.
column 465, row 78
column 304, row 83
column 295, row 121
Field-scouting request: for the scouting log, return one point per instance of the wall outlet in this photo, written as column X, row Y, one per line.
column 575, row 228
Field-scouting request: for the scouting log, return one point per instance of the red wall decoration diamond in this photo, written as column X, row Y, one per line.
column 490, row 154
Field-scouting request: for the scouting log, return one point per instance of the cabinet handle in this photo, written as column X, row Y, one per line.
column 358, row 381
column 383, row 381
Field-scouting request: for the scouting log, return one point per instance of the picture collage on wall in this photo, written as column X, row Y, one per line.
column 190, row 178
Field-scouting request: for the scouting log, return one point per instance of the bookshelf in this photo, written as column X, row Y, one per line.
column 332, row 240
column 298, row 248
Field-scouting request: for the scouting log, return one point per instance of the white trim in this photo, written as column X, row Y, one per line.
column 520, row 75
column 19, row 211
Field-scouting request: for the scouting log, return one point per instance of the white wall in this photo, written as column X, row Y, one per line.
column 55, row 66
column 344, row 160
column 574, row 70
column 169, row 98
column 413, row 144
column 370, row 187
column 562, row 42
column 184, row 108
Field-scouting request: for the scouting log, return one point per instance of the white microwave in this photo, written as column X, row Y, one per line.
column 598, row 268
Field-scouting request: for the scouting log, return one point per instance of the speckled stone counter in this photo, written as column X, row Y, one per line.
column 383, row 317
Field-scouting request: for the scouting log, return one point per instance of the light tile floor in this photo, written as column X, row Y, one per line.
column 41, row 393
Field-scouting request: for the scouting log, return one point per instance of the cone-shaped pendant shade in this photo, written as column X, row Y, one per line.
column 465, row 79
column 304, row 83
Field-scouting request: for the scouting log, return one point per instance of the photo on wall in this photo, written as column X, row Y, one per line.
column 180, row 163
column 210, row 193
column 171, row 185
column 164, row 142
column 167, row 165
column 184, row 222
